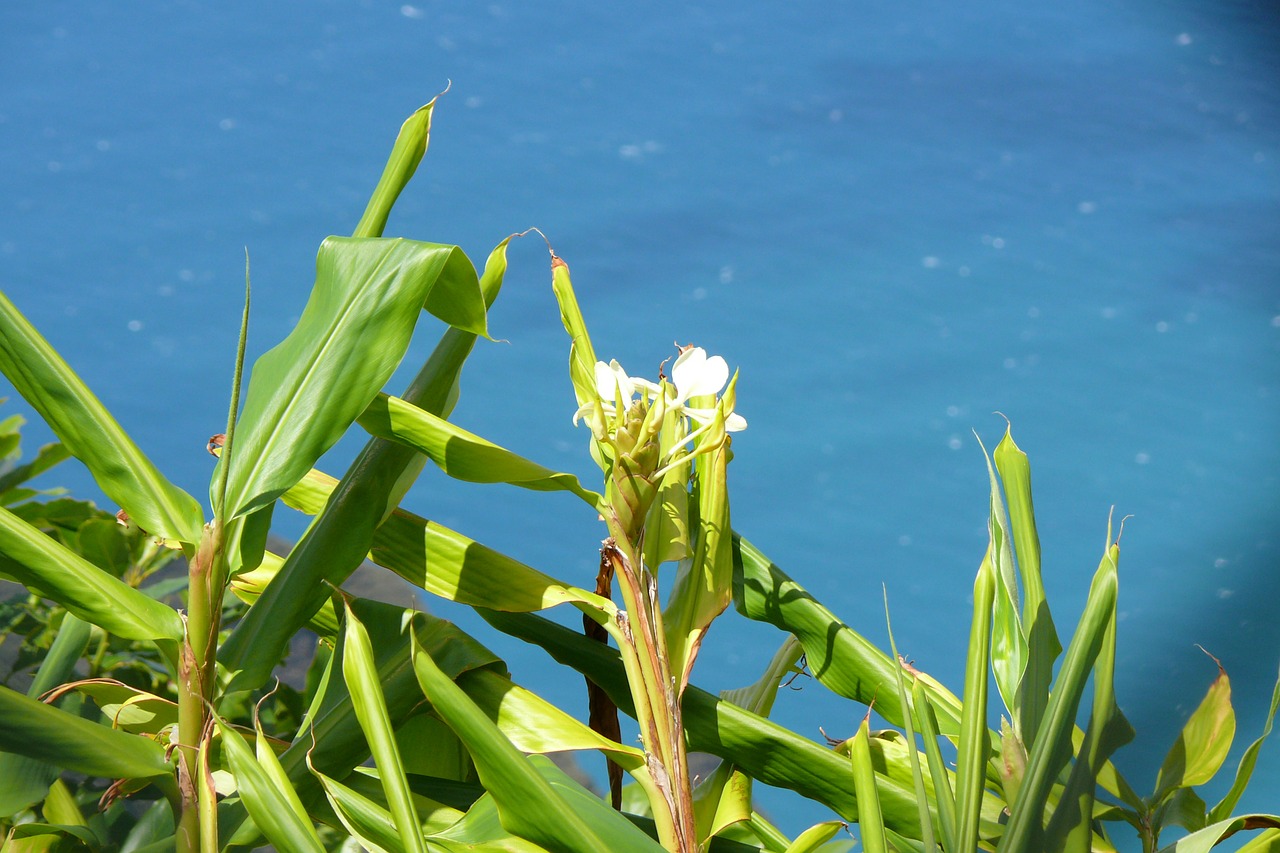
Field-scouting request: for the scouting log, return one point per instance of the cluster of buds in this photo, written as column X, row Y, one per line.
column 648, row 429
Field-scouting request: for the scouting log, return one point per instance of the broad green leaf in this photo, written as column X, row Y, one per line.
column 1250, row 758
column 842, row 659
column 57, row 572
column 305, row 392
column 452, row 566
column 274, row 810
column 1043, row 646
column 23, row 779
column 974, row 746
column 534, row 725
column 361, row 675
column 249, row 587
column 31, row 728
column 340, row 537
column 1207, row 838
column 406, row 154
column 89, row 433
column 527, row 804
column 870, row 822
column 461, row 454
column 1052, row 749
column 1204, row 742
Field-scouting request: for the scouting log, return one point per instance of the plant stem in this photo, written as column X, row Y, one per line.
column 195, row 676
column 657, row 705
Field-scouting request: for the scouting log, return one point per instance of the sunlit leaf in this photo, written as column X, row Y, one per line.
column 57, row 572
column 1203, row 743
column 89, row 432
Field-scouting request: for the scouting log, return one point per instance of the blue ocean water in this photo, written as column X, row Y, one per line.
column 894, row 220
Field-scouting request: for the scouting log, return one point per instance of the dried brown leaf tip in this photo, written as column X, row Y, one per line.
column 215, row 444
column 557, row 261
column 122, row 518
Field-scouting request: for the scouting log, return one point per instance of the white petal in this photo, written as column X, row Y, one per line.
column 735, row 423
column 612, row 379
column 695, row 375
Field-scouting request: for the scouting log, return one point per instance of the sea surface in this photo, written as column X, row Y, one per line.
column 894, row 219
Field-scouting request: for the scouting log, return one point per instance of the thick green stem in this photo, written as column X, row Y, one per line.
column 657, row 705
column 195, row 677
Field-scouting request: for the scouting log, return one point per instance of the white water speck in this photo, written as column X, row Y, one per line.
column 904, row 540
column 1087, row 207
column 1142, row 458
column 1183, row 39
column 726, row 274
column 963, row 272
column 699, row 293
column 954, row 442
column 1162, row 326
column 929, row 262
column 1220, row 563
column 227, row 124
column 1108, row 313
column 135, row 325
column 410, row 11
column 1224, row 594
column 953, row 411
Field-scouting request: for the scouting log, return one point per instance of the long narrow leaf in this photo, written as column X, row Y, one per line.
column 274, row 809
column 1052, row 748
column 917, row 775
column 361, row 675
column 974, row 746
column 1207, row 838
column 89, row 432
column 839, row 657
column 23, row 780
column 461, row 454
column 528, row 806
column 763, row 750
column 870, row 822
column 407, row 152
column 1043, row 646
column 43, row 564
column 944, row 797
column 31, row 728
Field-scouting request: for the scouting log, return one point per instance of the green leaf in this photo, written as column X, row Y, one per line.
column 40, row 563
column 1008, row 643
column 1247, row 761
column 452, row 566
column 461, row 454
column 274, row 809
column 24, row 780
column 938, row 773
column 1052, row 749
column 1043, row 646
column 1204, row 742
column 1205, row 840
column 839, row 657
column 31, row 728
column 370, row 823
column 129, row 708
column 974, row 746
column 46, row 457
column 917, row 775
column 582, row 355
column 361, row 675
column 89, row 432
column 305, row 392
column 870, row 821
column 815, row 837
column 340, row 537
column 527, row 804
column 765, row 751
column 704, row 586
column 406, row 154
column 1070, row 827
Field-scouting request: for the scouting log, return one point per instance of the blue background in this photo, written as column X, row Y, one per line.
column 895, row 220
